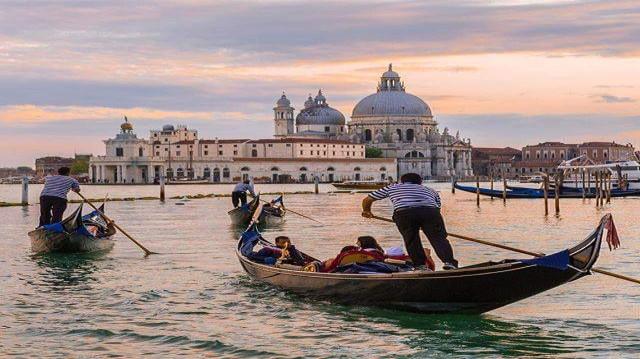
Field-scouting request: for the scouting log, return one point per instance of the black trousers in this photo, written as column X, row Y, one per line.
column 238, row 197
column 51, row 209
column 411, row 220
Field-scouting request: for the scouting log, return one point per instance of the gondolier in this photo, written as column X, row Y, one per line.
column 53, row 198
column 239, row 194
column 415, row 208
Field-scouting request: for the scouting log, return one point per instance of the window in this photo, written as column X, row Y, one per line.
column 235, row 153
column 357, row 169
column 119, row 152
column 166, row 140
column 288, row 145
column 275, row 169
column 270, row 145
column 399, row 132
column 367, row 135
column 235, row 145
column 301, row 152
column 326, row 128
column 254, row 153
column 225, row 173
column 334, row 153
column 178, row 146
column 221, row 153
column 311, row 153
column 206, row 146
column 157, row 153
column 303, row 168
column 206, row 153
column 245, row 169
column 166, row 149
column 330, row 169
column 140, row 152
column 177, row 153
column 410, row 134
column 253, row 145
column 538, row 155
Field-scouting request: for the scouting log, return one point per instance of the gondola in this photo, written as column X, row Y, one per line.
column 360, row 185
column 538, row 193
column 74, row 234
column 473, row 289
column 271, row 215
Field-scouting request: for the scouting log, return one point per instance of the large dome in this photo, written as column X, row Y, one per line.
column 391, row 100
column 318, row 112
column 391, row 103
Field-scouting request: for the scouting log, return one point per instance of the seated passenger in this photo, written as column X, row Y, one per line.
column 369, row 243
column 290, row 255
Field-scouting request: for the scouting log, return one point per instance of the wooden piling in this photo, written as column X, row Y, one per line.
column 545, row 190
column 589, row 181
column 504, row 189
column 478, row 191
column 161, row 188
column 608, row 187
column 583, row 184
column 25, row 191
column 557, row 193
column 597, row 188
column 316, row 182
column 491, row 181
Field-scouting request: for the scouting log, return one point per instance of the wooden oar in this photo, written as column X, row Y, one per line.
column 294, row 212
column 535, row 254
column 146, row 251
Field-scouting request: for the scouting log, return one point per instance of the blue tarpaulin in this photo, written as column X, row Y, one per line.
column 558, row 260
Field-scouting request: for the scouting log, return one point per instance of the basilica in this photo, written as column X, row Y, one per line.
column 398, row 124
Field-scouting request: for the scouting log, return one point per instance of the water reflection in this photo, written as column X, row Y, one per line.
column 60, row 270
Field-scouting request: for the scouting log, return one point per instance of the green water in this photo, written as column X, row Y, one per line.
column 193, row 299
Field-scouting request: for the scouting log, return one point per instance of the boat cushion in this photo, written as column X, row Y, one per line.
column 353, row 256
column 558, row 260
column 54, row 227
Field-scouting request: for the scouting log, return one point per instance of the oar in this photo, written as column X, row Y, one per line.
column 535, row 254
column 294, row 212
column 146, row 251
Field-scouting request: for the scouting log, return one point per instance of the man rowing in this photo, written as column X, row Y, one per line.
column 415, row 208
column 239, row 194
column 53, row 198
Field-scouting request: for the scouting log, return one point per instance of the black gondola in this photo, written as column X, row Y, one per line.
column 527, row 193
column 242, row 215
column 473, row 289
column 71, row 235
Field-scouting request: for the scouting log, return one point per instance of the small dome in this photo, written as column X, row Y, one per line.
column 390, row 73
column 320, row 115
column 320, row 99
column 283, row 101
column 168, row 128
column 309, row 102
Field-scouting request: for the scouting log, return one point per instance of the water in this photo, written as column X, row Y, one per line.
column 194, row 299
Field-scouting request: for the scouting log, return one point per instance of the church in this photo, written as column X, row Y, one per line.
column 398, row 124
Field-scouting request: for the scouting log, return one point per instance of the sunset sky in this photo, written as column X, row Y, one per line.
column 504, row 73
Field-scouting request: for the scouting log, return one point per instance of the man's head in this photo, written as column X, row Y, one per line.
column 246, row 181
column 283, row 242
column 411, row 178
column 64, row 171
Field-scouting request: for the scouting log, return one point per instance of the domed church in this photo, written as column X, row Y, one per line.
column 402, row 126
column 316, row 119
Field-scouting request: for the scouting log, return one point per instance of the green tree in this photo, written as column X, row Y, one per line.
column 79, row 167
column 373, row 152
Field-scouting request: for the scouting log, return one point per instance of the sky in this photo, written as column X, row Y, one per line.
column 503, row 73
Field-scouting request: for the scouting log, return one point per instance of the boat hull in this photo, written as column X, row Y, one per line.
column 242, row 215
column 525, row 193
column 47, row 242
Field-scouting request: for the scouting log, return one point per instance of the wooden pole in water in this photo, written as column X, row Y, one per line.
column 316, row 181
column 25, row 191
column 608, row 187
column 491, row 180
column 453, row 184
column 597, row 188
column 557, row 193
column 478, row 191
column 545, row 190
column 583, row 184
column 161, row 188
column 589, row 181
column 504, row 188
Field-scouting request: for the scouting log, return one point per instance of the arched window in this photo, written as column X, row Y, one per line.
column 275, row 169
column 244, row 169
column 225, row 172
column 414, row 154
column 180, row 173
column 367, row 135
column 330, row 169
column 383, row 168
column 190, row 173
column 254, row 153
column 303, row 168
column 140, row 152
column 207, row 172
column 399, row 132
column 410, row 135
column 357, row 169
column 169, row 173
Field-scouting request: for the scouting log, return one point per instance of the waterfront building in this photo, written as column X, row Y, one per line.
column 178, row 153
column 50, row 165
column 488, row 161
column 402, row 126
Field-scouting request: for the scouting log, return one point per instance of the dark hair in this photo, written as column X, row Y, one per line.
column 64, row 171
column 411, row 178
column 281, row 239
column 368, row 242
column 246, row 181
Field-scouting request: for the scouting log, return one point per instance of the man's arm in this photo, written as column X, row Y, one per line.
column 75, row 186
column 251, row 190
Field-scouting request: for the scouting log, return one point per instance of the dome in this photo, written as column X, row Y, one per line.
column 126, row 126
column 391, row 103
column 168, row 128
column 391, row 100
column 320, row 115
column 309, row 102
column 283, row 101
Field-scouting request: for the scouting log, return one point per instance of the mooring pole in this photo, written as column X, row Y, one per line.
column 491, row 180
column 583, row 184
column 453, row 184
column 557, row 194
column 316, row 181
column 597, row 189
column 545, row 190
column 25, row 191
column 478, row 191
column 161, row 188
column 504, row 188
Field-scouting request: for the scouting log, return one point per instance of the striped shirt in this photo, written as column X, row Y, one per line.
column 58, row 186
column 408, row 195
column 243, row 187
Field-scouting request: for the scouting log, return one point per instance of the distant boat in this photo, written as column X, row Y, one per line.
column 74, row 234
column 188, row 181
column 360, row 185
column 270, row 215
column 524, row 193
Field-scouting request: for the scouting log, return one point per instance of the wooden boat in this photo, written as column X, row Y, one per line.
column 242, row 215
column 72, row 236
column 523, row 192
column 360, row 185
column 473, row 289
column 273, row 214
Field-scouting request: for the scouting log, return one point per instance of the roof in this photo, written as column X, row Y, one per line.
column 535, row 164
column 314, row 159
column 497, row 150
column 391, row 103
column 190, row 142
column 320, row 115
column 302, row 140
column 601, row 144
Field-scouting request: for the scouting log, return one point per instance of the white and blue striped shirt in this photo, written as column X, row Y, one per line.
column 59, row 186
column 408, row 195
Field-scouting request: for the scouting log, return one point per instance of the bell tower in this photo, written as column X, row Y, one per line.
column 283, row 117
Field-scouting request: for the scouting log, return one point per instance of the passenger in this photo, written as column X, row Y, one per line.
column 290, row 255
column 369, row 243
column 239, row 194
